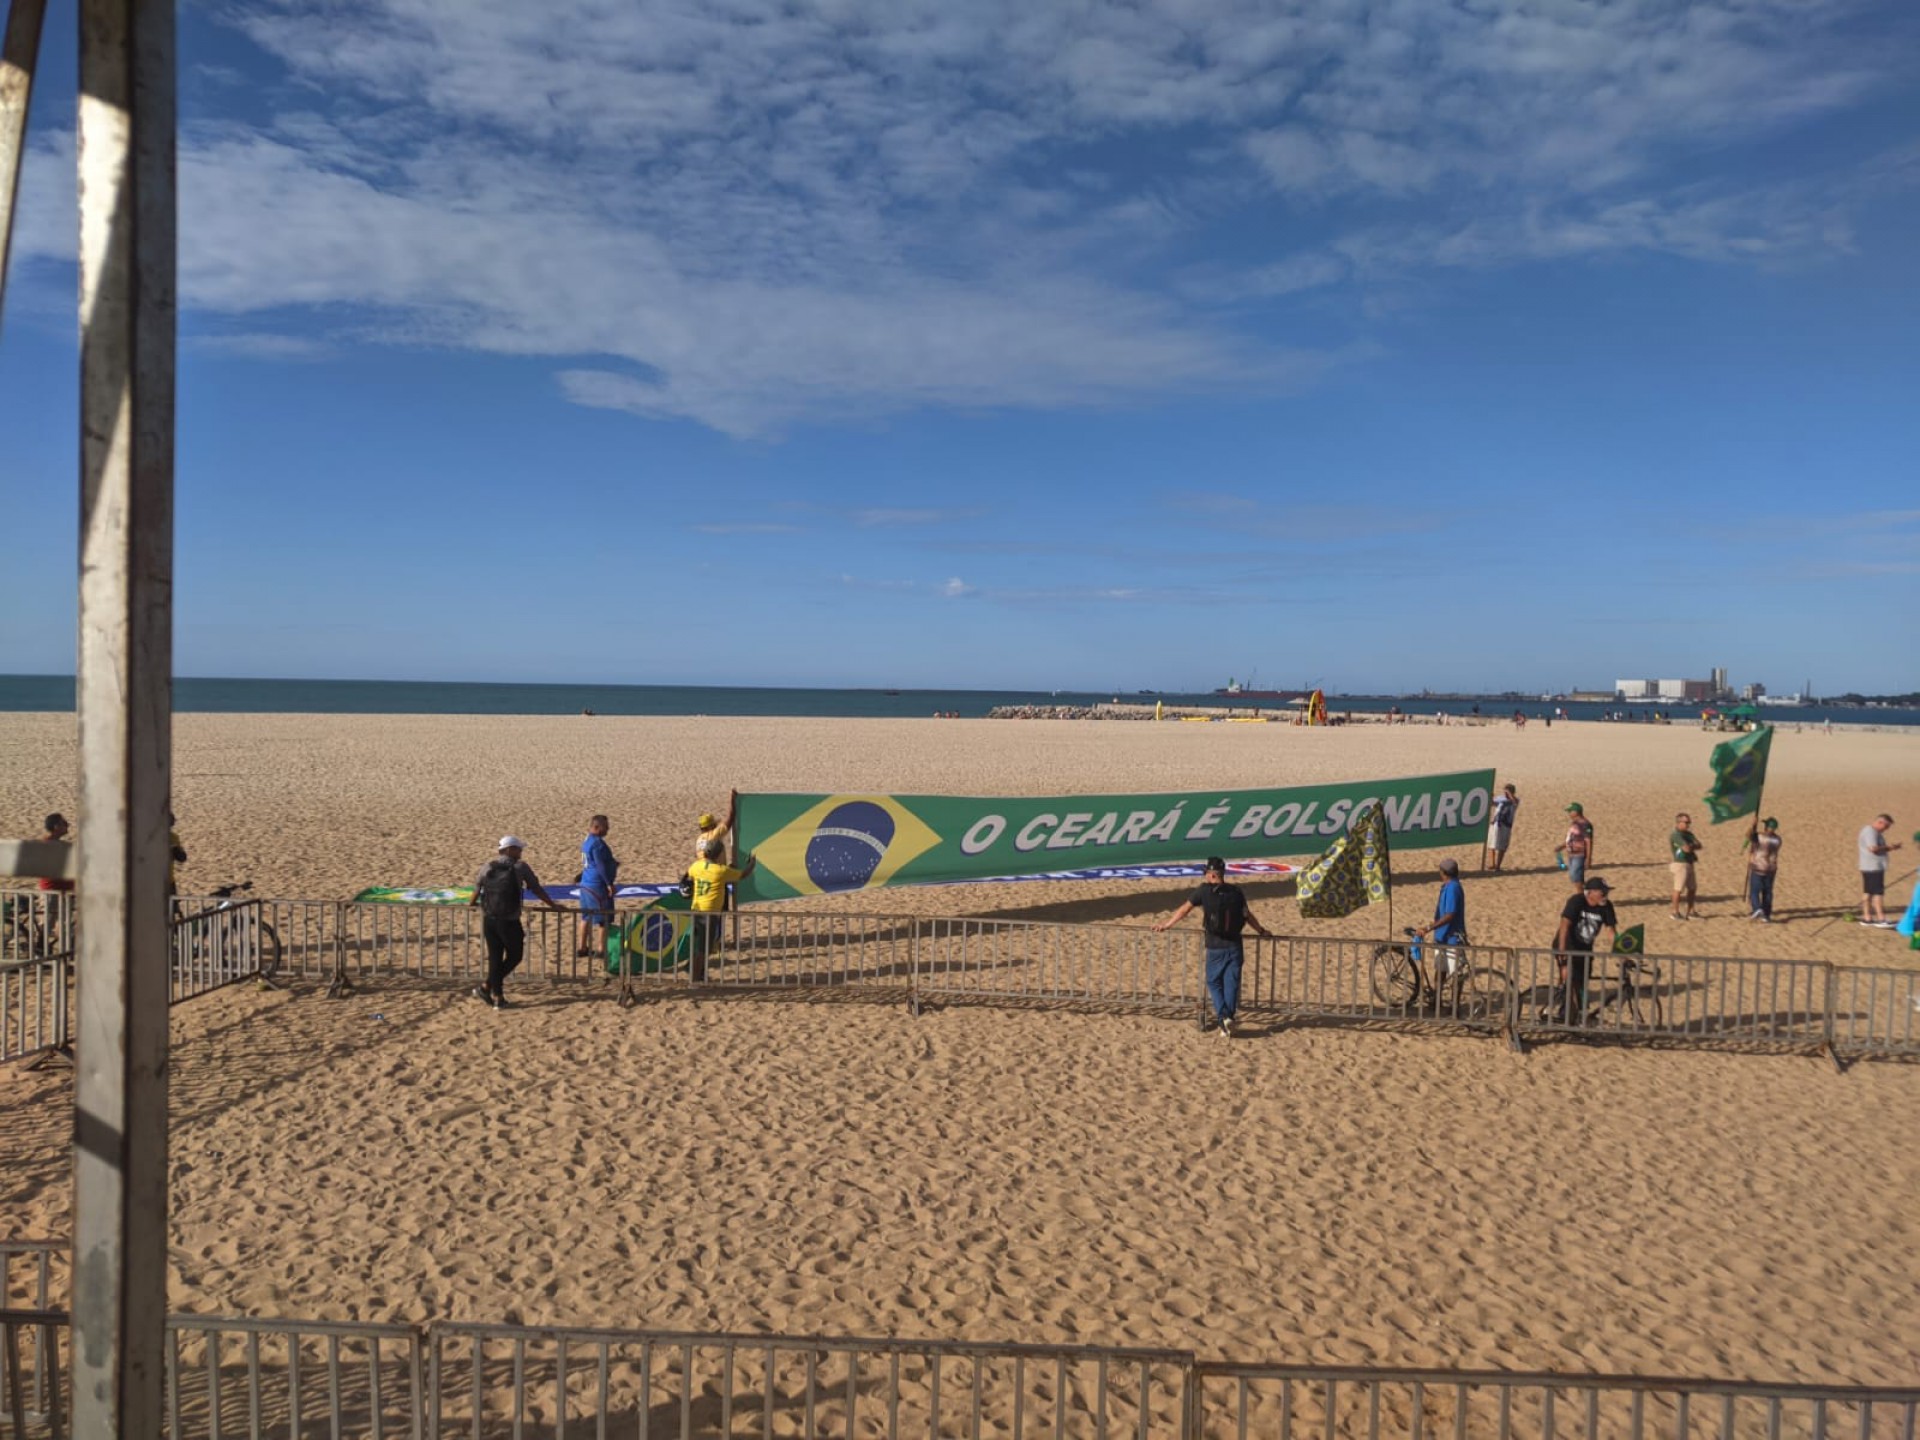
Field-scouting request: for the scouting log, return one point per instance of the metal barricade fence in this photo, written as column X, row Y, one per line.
column 1770, row 1003
column 35, row 924
column 1030, row 960
column 236, row 1377
column 36, row 1006
column 213, row 947
column 533, row 1383
column 1874, row 1012
column 1237, row 1402
column 33, row 1278
column 1459, row 985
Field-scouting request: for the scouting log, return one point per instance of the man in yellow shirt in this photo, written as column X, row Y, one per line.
column 708, row 878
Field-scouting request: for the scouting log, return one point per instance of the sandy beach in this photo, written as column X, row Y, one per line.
column 1027, row 1174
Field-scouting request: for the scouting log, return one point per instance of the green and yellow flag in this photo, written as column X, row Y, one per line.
column 1631, row 941
column 1354, row 872
column 1739, row 770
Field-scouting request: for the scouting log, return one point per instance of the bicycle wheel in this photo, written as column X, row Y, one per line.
column 1396, row 983
column 269, row 952
column 1642, row 985
column 1485, row 996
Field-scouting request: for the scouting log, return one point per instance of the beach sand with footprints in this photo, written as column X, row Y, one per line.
column 1016, row 1173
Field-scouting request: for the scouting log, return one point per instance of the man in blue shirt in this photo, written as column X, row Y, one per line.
column 1449, row 925
column 598, row 869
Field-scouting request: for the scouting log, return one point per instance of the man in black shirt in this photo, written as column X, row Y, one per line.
column 498, row 894
column 1224, row 913
column 1581, row 920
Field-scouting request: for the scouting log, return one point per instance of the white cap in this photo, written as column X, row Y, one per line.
column 512, row 842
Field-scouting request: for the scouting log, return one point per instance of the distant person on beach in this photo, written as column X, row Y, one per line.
column 1575, row 852
column 598, row 870
column 176, row 856
column 1763, row 863
column 706, row 882
column 56, row 832
column 1874, row 849
column 1683, row 848
column 1506, row 809
column 1581, row 920
column 1224, row 916
column 498, row 893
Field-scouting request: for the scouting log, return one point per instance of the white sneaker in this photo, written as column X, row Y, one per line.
column 1226, row 1028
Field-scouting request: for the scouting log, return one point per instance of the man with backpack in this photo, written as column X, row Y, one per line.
column 498, row 893
column 1224, row 916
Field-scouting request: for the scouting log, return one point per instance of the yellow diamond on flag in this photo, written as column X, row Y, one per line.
column 845, row 842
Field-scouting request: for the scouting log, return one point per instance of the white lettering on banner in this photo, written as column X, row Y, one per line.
column 1281, row 820
column 1396, row 812
column 1336, row 820
column 1249, row 825
column 1473, row 809
column 1445, row 812
column 1026, row 839
column 1422, row 816
column 973, row 842
column 1168, row 823
column 1305, row 827
column 1135, row 829
column 1203, row 828
column 1102, row 831
column 1069, row 827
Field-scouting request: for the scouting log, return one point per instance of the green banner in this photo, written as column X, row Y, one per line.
column 822, row 844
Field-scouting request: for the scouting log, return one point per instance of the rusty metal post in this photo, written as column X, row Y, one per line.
column 127, row 302
column 17, row 56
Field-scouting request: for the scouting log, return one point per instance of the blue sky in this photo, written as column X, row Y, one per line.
column 881, row 342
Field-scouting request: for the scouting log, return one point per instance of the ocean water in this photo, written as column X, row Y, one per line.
column 420, row 697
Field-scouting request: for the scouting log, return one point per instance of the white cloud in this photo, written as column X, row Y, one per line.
column 757, row 213
column 956, row 588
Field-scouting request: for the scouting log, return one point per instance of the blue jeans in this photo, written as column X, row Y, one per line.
column 1223, row 978
column 1760, row 893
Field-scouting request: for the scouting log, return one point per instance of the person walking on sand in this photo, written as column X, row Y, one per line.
column 1224, row 916
column 1683, row 847
column 1874, row 849
column 498, row 893
column 1506, row 808
column 56, row 832
column 598, row 870
column 1575, row 852
column 1763, row 863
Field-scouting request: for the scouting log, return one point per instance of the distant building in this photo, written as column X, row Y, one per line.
column 1636, row 689
column 1599, row 697
column 1753, row 692
column 1720, row 691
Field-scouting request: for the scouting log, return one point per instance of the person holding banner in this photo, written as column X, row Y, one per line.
column 1224, row 914
column 706, row 883
column 597, row 871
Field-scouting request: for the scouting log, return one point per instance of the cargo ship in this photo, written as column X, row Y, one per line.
column 1245, row 692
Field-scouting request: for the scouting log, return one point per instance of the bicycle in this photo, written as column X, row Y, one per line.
column 1637, row 994
column 227, row 933
column 1469, row 990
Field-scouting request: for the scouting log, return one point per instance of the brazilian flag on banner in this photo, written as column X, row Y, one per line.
column 1739, row 770
column 659, row 938
column 1354, row 872
column 1631, row 941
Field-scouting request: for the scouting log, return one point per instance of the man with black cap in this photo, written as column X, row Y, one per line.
column 1581, row 921
column 1224, row 915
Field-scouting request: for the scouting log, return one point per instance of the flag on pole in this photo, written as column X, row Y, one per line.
column 1631, row 941
column 1739, row 770
column 1355, row 871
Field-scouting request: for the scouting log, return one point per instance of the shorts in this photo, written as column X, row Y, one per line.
column 1577, row 870
column 1873, row 882
column 1682, row 875
column 1498, row 836
column 596, row 906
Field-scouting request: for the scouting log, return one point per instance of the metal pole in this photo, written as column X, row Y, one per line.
column 17, row 56
column 127, row 219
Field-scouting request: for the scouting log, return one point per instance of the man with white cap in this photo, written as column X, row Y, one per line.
column 498, row 893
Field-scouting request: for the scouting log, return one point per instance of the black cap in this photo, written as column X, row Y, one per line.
column 1214, row 862
column 1594, row 882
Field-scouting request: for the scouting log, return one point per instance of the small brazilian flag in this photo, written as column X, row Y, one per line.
column 1739, row 770
column 1631, row 941
column 1355, row 871
column 659, row 938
